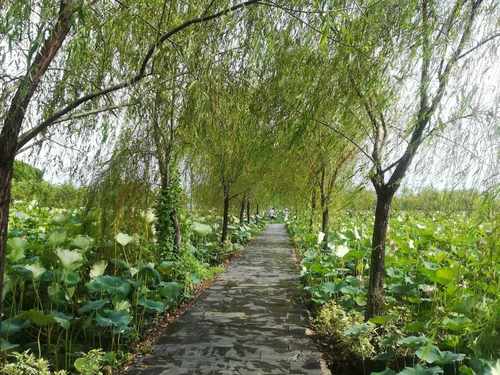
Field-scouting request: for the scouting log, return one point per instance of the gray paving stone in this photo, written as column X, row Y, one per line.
column 248, row 322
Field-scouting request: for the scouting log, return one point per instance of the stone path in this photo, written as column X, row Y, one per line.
column 248, row 322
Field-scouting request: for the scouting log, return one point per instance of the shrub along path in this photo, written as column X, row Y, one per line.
column 248, row 322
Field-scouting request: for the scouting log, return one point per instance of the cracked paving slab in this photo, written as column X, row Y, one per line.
column 250, row 321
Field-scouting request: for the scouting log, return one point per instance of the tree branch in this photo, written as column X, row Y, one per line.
column 480, row 44
column 346, row 137
column 29, row 135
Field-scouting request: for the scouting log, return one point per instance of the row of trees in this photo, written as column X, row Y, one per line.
column 256, row 102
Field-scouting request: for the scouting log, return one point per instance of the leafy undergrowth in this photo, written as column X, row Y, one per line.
column 442, row 289
column 82, row 304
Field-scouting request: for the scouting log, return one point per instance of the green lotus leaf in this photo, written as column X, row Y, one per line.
column 57, row 238
column 6, row 346
column 201, row 229
column 448, row 357
column 37, row 317
column 350, row 290
column 149, row 271
column 71, row 278
column 329, row 288
column 457, row 324
column 21, row 272
column 16, row 247
column 93, row 306
column 444, row 276
column 11, row 326
column 36, row 269
column 171, row 290
column 70, row 259
column 82, row 242
column 123, row 239
column 428, row 353
column 387, row 371
column 112, row 285
column 62, row 319
column 166, row 267
column 414, row 342
column 152, row 305
column 56, row 294
column 59, row 218
column 419, row 370
column 113, row 318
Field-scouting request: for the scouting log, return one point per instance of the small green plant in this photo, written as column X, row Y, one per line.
column 27, row 364
column 346, row 331
column 91, row 363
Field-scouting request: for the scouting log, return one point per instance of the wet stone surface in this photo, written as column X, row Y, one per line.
column 250, row 321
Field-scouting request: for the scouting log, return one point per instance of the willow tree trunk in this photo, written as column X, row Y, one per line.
column 325, row 225
column 242, row 209
column 14, row 117
column 313, row 208
column 257, row 213
column 6, row 167
column 375, row 304
column 325, row 201
column 225, row 216
column 248, row 210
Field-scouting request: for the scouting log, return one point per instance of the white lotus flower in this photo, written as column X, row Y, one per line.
column 321, row 236
column 341, row 250
column 150, row 216
column 495, row 370
column 98, row 269
column 133, row 271
column 356, row 234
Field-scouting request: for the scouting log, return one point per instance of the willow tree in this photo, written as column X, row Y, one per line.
column 385, row 46
column 50, row 66
column 225, row 134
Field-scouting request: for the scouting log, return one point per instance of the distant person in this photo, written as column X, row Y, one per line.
column 286, row 213
column 272, row 213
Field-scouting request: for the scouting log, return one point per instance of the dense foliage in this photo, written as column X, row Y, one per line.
column 67, row 293
column 439, row 314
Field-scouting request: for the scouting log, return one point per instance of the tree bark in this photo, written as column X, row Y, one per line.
column 313, row 208
column 15, row 116
column 325, row 217
column 376, row 302
column 248, row 210
column 225, row 215
column 257, row 213
column 325, row 226
column 242, row 209
column 6, row 167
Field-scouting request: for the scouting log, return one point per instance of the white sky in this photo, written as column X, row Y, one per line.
column 440, row 164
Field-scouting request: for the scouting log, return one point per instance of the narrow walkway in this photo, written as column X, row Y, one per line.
column 248, row 322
